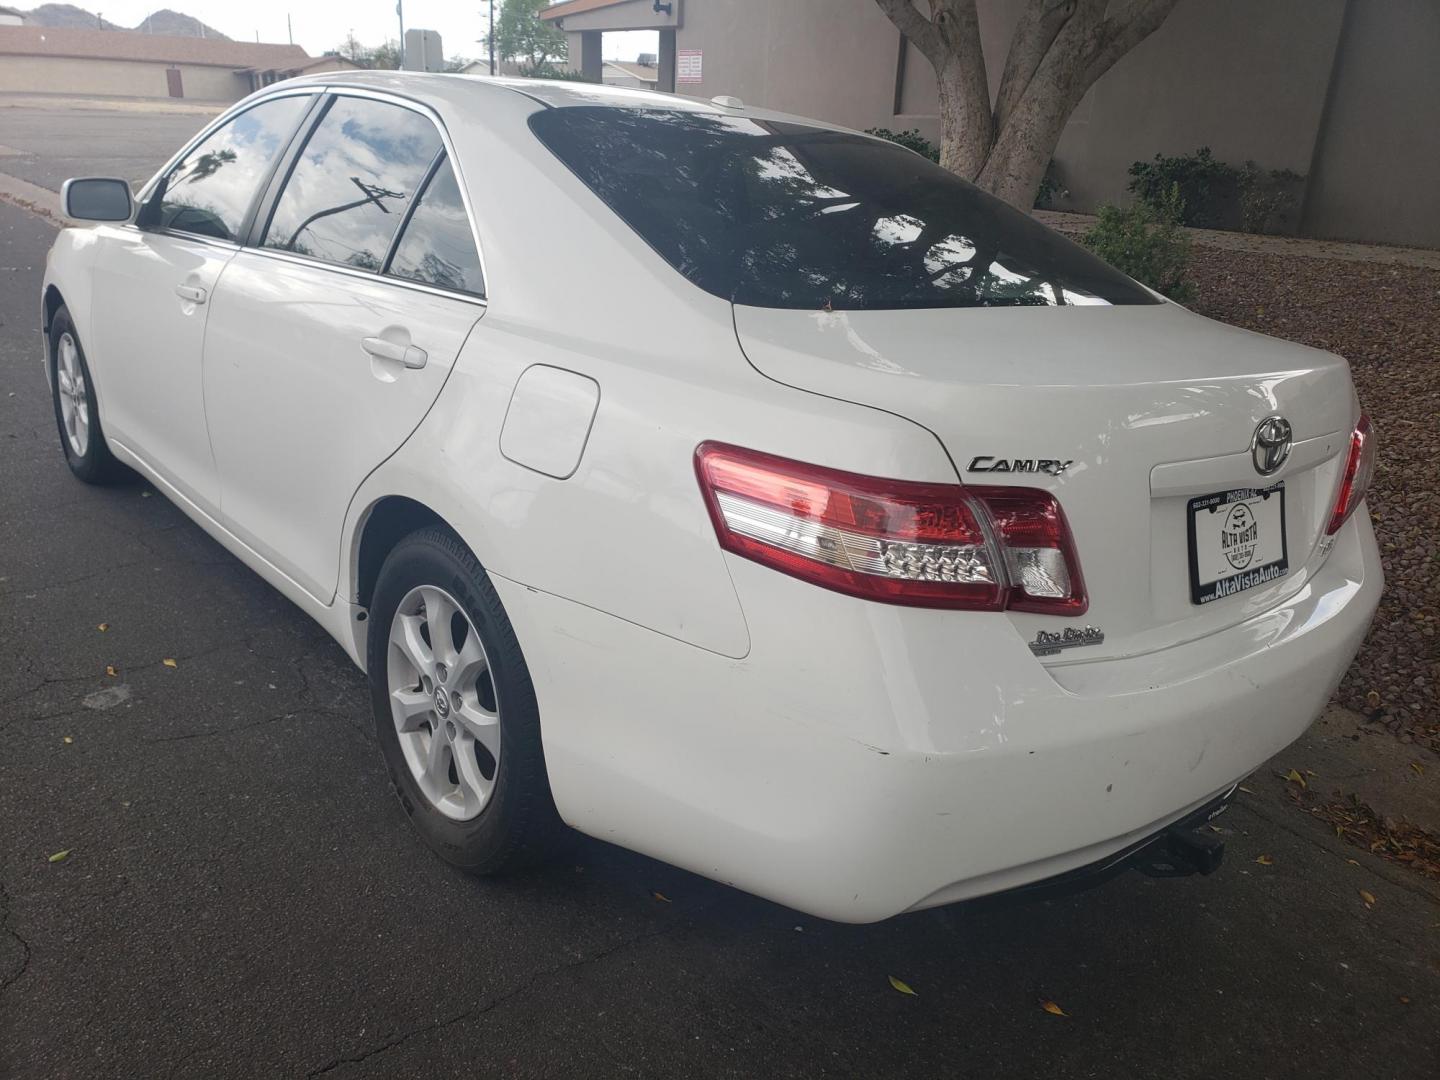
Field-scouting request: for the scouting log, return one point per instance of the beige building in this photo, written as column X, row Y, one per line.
column 125, row 63
column 1346, row 92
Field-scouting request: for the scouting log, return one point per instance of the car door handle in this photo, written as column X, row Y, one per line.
column 408, row 355
column 193, row 293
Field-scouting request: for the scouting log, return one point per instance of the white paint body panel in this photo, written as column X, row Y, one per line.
column 848, row 758
column 283, row 358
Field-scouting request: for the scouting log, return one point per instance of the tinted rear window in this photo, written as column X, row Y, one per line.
column 784, row 215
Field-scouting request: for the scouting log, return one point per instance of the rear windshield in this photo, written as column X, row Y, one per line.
column 784, row 215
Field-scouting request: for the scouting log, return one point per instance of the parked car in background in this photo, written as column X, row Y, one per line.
column 747, row 492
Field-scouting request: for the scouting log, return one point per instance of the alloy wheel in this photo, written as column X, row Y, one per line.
column 74, row 395
column 443, row 702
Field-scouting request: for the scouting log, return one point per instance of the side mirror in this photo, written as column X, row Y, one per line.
column 97, row 198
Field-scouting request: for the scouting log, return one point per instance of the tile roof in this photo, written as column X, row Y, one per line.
column 155, row 48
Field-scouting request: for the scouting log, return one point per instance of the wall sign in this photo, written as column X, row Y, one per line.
column 687, row 65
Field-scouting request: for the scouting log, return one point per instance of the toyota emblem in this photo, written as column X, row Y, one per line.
column 1271, row 445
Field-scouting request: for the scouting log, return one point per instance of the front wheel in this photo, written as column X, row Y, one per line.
column 455, row 711
column 76, row 413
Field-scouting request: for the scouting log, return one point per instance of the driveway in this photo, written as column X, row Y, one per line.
column 242, row 896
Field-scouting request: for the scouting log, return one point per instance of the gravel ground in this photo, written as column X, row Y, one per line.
column 1382, row 318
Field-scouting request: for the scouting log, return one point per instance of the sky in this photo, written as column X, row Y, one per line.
column 323, row 25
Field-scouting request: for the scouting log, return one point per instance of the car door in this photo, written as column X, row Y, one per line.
column 153, row 281
column 331, row 336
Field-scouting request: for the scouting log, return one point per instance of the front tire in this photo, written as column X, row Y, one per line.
column 455, row 711
column 76, row 413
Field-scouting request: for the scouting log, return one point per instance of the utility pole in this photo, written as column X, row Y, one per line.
column 400, row 11
column 289, row 30
column 491, row 6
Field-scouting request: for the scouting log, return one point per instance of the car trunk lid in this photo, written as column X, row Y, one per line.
column 1136, row 409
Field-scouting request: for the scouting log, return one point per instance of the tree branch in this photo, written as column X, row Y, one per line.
column 920, row 31
column 1040, row 22
column 1131, row 23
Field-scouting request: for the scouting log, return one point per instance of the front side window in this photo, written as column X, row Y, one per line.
column 210, row 191
column 785, row 215
column 350, row 186
column 437, row 246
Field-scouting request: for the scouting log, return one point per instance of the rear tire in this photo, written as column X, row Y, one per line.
column 77, row 415
column 451, row 693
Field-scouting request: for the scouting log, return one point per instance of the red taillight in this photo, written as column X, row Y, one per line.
column 926, row 545
column 1355, row 481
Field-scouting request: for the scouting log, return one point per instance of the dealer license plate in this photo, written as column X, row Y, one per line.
column 1237, row 541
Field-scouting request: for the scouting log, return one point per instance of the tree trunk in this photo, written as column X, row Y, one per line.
column 964, row 122
column 1060, row 48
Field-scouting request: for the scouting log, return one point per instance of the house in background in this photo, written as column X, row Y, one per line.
column 57, row 60
column 642, row 74
column 1344, row 92
column 11, row 17
column 506, row 68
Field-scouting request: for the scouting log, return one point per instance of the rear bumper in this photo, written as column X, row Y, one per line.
column 865, row 760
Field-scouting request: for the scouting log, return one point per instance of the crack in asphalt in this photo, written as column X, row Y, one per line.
column 28, row 591
column 312, row 712
column 6, row 903
column 491, row 1006
column 60, row 680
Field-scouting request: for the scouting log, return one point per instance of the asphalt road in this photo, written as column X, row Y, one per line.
column 243, row 897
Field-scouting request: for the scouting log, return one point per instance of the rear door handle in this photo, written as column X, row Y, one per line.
column 409, row 355
column 193, row 293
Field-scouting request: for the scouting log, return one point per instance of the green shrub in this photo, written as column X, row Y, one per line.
column 911, row 140
column 1209, row 189
column 1217, row 195
column 549, row 71
column 1145, row 241
column 1268, row 200
column 1051, row 187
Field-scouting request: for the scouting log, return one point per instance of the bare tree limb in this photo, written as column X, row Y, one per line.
column 1040, row 22
column 1131, row 23
column 920, row 31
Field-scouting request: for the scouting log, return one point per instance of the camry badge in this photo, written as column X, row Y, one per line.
column 1271, row 444
column 989, row 463
column 1050, row 642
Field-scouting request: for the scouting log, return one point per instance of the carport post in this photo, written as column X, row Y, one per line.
column 592, row 67
column 665, row 69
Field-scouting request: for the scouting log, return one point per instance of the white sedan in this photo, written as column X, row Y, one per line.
column 737, row 489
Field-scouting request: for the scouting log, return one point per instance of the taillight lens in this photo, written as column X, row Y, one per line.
column 899, row 542
column 1359, row 470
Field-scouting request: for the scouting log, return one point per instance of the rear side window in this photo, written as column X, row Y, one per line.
column 786, row 215
column 437, row 246
column 210, row 191
column 360, row 169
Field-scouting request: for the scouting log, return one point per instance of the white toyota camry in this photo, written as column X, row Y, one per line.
column 747, row 492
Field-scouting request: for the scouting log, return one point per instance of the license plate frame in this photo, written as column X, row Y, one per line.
column 1252, row 560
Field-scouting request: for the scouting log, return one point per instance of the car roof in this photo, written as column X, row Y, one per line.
column 461, row 91
column 553, row 93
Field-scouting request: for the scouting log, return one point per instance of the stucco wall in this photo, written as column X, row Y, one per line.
column 122, row 78
column 1379, row 154
column 830, row 59
column 1248, row 80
